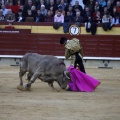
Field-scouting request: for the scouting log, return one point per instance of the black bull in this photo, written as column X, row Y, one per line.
column 47, row 68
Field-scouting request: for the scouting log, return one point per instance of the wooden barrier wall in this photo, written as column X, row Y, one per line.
column 22, row 41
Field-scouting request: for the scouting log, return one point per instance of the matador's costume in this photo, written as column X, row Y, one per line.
column 73, row 49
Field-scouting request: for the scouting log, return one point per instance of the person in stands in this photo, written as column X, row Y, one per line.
column 10, row 17
column 2, row 18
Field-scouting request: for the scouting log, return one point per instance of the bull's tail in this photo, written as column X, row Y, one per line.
column 24, row 62
column 24, row 59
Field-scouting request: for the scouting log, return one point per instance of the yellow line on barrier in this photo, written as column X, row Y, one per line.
column 51, row 30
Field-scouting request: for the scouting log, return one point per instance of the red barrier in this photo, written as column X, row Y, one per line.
column 19, row 44
column 24, row 41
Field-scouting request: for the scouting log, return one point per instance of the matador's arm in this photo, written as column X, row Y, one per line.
column 67, row 53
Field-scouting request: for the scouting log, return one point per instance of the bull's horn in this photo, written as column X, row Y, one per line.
column 66, row 74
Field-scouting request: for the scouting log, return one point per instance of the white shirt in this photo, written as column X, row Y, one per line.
column 5, row 11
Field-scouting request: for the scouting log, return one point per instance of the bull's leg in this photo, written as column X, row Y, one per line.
column 29, row 75
column 32, row 80
column 21, row 74
column 52, row 86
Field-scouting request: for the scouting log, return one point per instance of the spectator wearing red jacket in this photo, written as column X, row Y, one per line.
column 14, row 8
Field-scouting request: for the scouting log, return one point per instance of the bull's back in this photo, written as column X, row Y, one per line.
column 30, row 61
column 33, row 60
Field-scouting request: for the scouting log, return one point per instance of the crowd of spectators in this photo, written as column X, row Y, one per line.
column 98, row 11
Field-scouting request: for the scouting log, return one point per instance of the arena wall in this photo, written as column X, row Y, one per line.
column 42, row 38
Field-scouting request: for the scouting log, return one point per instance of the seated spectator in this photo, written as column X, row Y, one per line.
column 97, row 17
column 97, row 7
column 81, row 2
column 114, row 11
column 102, row 3
column 107, row 21
column 27, row 7
column 77, row 6
column 29, row 17
column 62, row 5
column 105, row 10
column 2, row 18
column 91, row 5
column 78, row 19
column 19, row 16
column 43, row 10
column 59, row 17
column 3, row 8
column 60, row 9
column 87, row 14
column 9, row 4
column 39, row 3
column 10, row 17
column 109, row 6
column 58, row 20
column 52, row 11
column 116, row 19
column 76, row 10
column 68, row 17
column 52, row 6
column 70, row 9
column 39, row 17
column 113, row 2
column 21, row 7
column 14, row 8
column 29, row 13
column 118, row 6
column 17, row 5
column 34, row 11
column 49, row 17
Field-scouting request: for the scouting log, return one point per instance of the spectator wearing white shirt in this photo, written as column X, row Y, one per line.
column 3, row 8
column 107, row 18
column 107, row 21
column 59, row 17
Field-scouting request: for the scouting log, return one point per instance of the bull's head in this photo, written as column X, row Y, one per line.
column 65, row 78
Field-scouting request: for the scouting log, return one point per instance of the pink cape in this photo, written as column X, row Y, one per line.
column 81, row 81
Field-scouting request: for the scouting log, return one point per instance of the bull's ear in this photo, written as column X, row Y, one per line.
column 66, row 74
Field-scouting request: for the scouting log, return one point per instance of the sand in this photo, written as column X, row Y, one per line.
column 42, row 103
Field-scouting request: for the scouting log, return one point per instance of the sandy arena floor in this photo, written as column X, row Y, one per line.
column 43, row 104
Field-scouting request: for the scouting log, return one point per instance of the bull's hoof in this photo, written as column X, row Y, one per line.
column 22, row 88
column 28, row 88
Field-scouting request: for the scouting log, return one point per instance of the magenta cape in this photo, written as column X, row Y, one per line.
column 81, row 81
